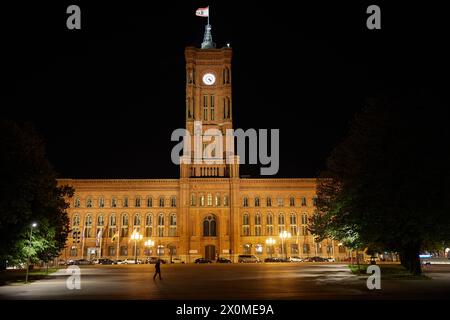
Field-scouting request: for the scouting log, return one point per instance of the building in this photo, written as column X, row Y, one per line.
column 210, row 210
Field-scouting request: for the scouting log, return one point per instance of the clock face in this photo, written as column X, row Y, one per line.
column 209, row 79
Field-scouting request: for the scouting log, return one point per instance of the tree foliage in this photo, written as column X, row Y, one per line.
column 387, row 185
column 29, row 193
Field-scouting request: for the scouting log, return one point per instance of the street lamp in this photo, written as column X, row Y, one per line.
column 270, row 243
column 283, row 236
column 135, row 236
column 33, row 225
column 149, row 243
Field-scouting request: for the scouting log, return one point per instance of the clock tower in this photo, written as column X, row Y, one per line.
column 208, row 106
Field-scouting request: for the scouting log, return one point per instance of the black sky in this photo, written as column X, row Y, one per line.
column 106, row 98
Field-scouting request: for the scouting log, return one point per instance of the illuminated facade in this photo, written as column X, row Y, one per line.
column 209, row 211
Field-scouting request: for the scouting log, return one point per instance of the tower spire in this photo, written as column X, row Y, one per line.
column 207, row 38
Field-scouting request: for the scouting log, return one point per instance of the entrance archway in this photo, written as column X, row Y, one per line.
column 210, row 252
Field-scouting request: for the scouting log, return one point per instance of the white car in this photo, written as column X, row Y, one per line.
column 131, row 261
column 295, row 259
column 177, row 260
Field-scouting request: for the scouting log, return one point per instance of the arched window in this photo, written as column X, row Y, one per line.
column 100, row 220
column 217, row 200
column 245, row 202
column 149, row 202
column 281, row 222
column 209, row 226
column 258, row 229
column 89, row 202
column 125, row 202
column 88, row 228
column 293, row 218
column 303, row 201
column 137, row 220
column 304, row 218
column 269, row 224
column 76, row 220
column 77, row 202
column 269, row 218
column 193, row 198
column 88, row 221
column 292, row 201
column 245, row 225
column 202, row 200
column 173, row 201
column 101, row 202
column 269, row 202
column 113, row 202
column 125, row 220
column 149, row 225
column 173, row 225
column 161, row 201
column 112, row 220
column 137, row 202
column 161, row 225
column 257, row 202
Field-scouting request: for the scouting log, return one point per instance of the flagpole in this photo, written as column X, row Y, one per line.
column 208, row 15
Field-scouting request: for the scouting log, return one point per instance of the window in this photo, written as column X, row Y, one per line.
column 100, row 220
column 303, row 201
column 209, row 199
column 193, row 198
column 173, row 225
column 269, row 202
column 209, row 226
column 77, row 202
column 137, row 220
column 304, row 230
column 111, row 250
column 304, row 218
column 124, row 232
column 259, row 249
column 161, row 201
column 314, row 200
column 148, row 225
column 202, row 200
column 280, row 202
column 318, row 247
column 88, row 221
column 281, row 222
column 111, row 231
column 293, row 218
column 73, row 252
column 247, row 248
column 306, row 248
column 294, row 248
column 101, row 202
column 258, row 228
column 205, row 107
column 245, row 202
column 212, row 107
column 292, row 201
column 112, row 220
column 113, row 202
column 217, row 200
column 149, row 202
column 161, row 225
column 293, row 230
column 173, row 201
column 137, row 202
column 76, row 220
column 269, row 224
column 225, row 200
column 245, row 225
column 125, row 202
column 123, row 250
column 89, row 202
column 125, row 220
column 341, row 249
column 257, row 202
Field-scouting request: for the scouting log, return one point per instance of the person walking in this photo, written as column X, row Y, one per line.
column 157, row 269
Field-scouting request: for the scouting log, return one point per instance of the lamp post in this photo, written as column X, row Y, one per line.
column 33, row 225
column 135, row 236
column 270, row 243
column 283, row 236
column 149, row 243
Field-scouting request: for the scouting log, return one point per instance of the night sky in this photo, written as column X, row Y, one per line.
column 106, row 98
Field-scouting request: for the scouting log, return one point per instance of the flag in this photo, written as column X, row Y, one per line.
column 202, row 12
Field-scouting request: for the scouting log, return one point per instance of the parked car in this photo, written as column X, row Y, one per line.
column 177, row 260
column 273, row 259
column 131, row 261
column 317, row 259
column 105, row 261
column 331, row 259
column 71, row 262
column 152, row 260
column 202, row 260
column 83, row 262
column 117, row 261
column 295, row 259
column 248, row 258
column 62, row 262
column 223, row 260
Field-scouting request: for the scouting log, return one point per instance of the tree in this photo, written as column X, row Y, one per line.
column 388, row 182
column 29, row 193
